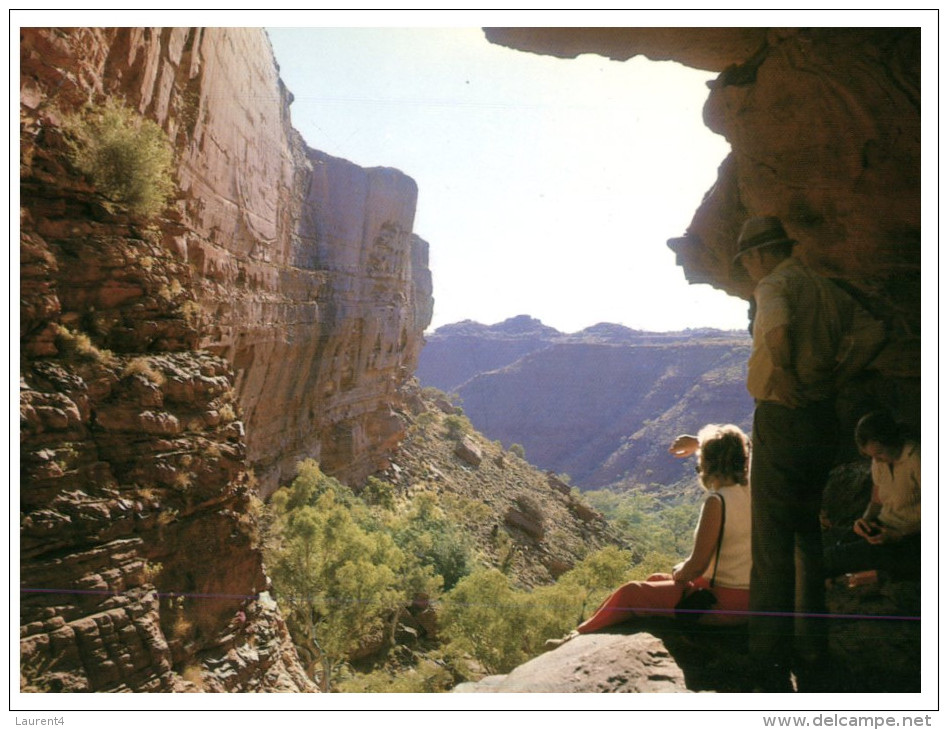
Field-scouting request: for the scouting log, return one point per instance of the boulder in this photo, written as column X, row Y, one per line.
column 593, row 663
column 468, row 452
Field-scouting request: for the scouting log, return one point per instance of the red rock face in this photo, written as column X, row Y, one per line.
column 352, row 310
column 304, row 269
column 137, row 546
column 270, row 313
column 825, row 131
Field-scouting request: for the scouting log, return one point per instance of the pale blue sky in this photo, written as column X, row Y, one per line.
column 546, row 186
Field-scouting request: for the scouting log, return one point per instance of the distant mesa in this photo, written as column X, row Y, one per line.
column 525, row 325
column 607, row 331
column 522, row 324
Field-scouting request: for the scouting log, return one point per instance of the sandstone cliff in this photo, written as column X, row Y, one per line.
column 303, row 268
column 272, row 311
column 286, row 287
column 825, row 130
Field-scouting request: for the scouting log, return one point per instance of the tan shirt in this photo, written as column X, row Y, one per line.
column 818, row 313
column 899, row 488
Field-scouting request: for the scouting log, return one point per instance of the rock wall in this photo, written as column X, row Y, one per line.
column 825, row 131
column 711, row 49
column 271, row 311
column 304, row 270
column 319, row 367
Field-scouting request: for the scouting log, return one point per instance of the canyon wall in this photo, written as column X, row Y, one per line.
column 174, row 369
column 825, row 132
column 303, row 268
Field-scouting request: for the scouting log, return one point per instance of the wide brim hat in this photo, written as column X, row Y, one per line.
column 763, row 230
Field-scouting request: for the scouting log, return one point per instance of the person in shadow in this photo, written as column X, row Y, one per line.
column 720, row 559
column 888, row 535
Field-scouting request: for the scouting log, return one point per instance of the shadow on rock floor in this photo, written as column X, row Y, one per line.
column 875, row 646
column 874, row 635
column 712, row 659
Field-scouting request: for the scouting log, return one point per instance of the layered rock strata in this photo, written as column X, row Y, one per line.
column 271, row 311
column 139, row 569
column 304, row 270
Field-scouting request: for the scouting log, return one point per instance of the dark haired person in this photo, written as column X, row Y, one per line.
column 802, row 346
column 723, row 454
column 889, row 531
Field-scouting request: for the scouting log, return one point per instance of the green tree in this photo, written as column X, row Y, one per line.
column 649, row 525
column 680, row 520
column 337, row 575
column 426, row 676
column 595, row 577
column 458, row 425
column 552, row 611
column 379, row 493
column 434, row 540
column 484, row 617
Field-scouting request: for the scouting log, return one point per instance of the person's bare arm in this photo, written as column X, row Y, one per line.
column 706, row 542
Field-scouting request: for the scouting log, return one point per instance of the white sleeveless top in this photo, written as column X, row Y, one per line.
column 735, row 559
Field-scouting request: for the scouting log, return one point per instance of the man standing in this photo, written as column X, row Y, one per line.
column 799, row 331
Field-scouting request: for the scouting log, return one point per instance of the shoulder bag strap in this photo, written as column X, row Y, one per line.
column 717, row 554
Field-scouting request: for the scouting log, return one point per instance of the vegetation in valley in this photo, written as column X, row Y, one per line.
column 414, row 584
column 659, row 528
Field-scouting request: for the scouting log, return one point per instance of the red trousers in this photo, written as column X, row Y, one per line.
column 658, row 595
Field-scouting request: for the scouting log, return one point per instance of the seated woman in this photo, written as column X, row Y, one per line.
column 888, row 535
column 723, row 456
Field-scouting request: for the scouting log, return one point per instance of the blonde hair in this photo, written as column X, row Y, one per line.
column 725, row 451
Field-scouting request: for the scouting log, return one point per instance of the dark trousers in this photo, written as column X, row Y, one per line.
column 846, row 552
column 793, row 451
